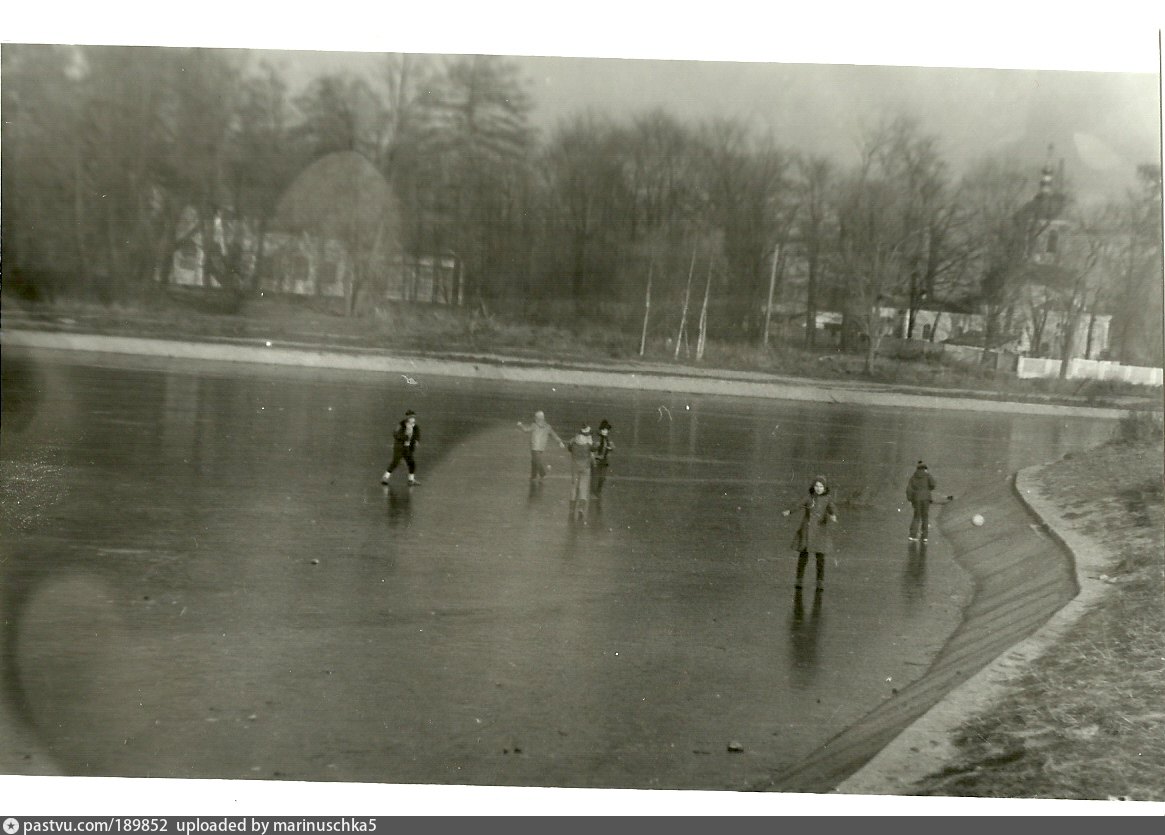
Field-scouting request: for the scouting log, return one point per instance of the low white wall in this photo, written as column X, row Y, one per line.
column 1079, row 369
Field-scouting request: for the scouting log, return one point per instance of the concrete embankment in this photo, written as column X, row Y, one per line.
column 1032, row 577
column 732, row 384
column 927, row 745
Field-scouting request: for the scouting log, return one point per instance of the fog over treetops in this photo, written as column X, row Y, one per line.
column 1101, row 124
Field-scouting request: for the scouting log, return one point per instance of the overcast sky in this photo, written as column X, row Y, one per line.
column 1102, row 124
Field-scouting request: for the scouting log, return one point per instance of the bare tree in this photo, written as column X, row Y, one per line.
column 262, row 161
column 646, row 308
column 746, row 195
column 815, row 188
column 879, row 229
column 583, row 173
column 1080, row 287
column 702, row 329
column 339, row 112
column 127, row 146
column 912, row 160
column 682, row 334
column 1001, row 224
column 47, row 241
column 871, row 255
column 661, row 175
column 475, row 124
column 201, row 121
column 398, row 140
column 1136, row 271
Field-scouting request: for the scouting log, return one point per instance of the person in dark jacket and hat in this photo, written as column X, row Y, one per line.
column 918, row 493
column 404, row 446
column 603, row 447
column 813, row 534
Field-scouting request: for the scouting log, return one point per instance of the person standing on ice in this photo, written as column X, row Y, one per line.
column 603, row 447
column 813, row 534
column 918, row 492
column 540, row 432
column 404, row 445
column 582, row 456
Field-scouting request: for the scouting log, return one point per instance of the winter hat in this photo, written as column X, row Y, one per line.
column 824, row 483
column 603, row 424
column 586, row 429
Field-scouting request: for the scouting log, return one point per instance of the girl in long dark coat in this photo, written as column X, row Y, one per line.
column 814, row 534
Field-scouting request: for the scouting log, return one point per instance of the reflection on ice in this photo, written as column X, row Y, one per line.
column 441, row 629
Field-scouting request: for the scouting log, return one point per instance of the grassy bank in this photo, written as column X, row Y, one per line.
column 1087, row 721
column 434, row 329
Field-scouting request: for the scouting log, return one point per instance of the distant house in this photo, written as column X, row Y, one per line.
column 305, row 266
column 929, row 325
column 188, row 264
column 933, row 325
column 333, row 234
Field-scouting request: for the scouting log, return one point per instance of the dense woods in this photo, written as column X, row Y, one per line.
column 116, row 157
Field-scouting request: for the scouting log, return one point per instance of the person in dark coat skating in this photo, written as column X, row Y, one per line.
column 918, row 492
column 814, row 534
column 603, row 447
column 404, row 446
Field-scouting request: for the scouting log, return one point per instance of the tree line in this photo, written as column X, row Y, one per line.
column 114, row 157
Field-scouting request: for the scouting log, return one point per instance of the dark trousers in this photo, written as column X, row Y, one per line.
column 407, row 454
column 537, row 465
column 803, row 560
column 921, row 519
column 598, row 476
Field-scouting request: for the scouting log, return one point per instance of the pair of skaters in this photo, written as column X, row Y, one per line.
column 818, row 514
column 589, row 459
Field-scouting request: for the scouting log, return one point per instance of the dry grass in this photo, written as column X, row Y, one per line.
column 1088, row 720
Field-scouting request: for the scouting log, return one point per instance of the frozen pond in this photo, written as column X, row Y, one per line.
column 202, row 576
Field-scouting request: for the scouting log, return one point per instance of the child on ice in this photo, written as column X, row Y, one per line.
column 813, row 534
column 581, row 448
column 540, row 432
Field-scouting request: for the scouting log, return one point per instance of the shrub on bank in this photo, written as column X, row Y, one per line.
column 1140, row 428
